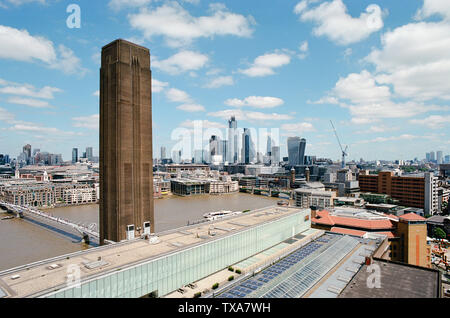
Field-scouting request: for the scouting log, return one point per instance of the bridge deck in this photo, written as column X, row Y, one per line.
column 38, row 279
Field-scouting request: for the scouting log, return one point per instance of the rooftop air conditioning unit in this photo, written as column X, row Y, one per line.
column 130, row 232
column 147, row 228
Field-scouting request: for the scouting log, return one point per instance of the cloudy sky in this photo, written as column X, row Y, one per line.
column 380, row 69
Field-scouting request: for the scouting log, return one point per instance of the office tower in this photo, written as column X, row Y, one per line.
column 223, row 148
column 275, row 157
column 89, row 153
column 447, row 159
column 439, row 157
column 248, row 153
column 269, row 146
column 296, row 150
column 432, row 156
column 232, row 140
column 163, row 152
column 214, row 146
column 126, row 156
column 302, row 151
column 216, row 150
column 428, row 157
column 26, row 150
column 74, row 155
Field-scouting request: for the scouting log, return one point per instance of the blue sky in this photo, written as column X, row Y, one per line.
column 379, row 69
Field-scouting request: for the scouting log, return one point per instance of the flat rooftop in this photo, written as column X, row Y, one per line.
column 306, row 271
column 43, row 277
column 397, row 281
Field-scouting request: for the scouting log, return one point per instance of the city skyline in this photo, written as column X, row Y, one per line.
column 291, row 72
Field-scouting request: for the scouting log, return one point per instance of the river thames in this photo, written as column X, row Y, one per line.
column 22, row 242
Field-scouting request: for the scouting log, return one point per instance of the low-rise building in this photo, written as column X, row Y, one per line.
column 407, row 233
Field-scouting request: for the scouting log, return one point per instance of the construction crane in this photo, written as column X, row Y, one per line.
column 344, row 151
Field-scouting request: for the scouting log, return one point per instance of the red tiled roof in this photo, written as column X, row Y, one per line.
column 389, row 234
column 324, row 218
column 347, row 231
column 412, row 217
column 357, row 232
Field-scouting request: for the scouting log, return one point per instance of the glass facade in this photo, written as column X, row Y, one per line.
column 170, row 272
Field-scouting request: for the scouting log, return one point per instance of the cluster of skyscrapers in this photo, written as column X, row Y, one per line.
column 238, row 147
column 89, row 155
column 31, row 156
column 437, row 157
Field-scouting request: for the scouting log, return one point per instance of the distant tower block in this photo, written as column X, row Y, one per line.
column 126, row 159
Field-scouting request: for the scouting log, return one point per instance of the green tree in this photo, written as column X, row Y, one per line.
column 439, row 233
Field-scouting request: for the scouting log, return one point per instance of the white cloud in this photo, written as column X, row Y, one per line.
column 179, row 27
column 36, row 128
column 303, row 48
column 434, row 7
column 121, row 4
column 264, row 65
column 204, row 124
column 158, row 86
column 19, row 45
column 20, row 2
column 182, row 62
column 298, row 128
column 96, row 93
column 249, row 116
column 391, row 138
column 117, row 5
column 191, row 108
column 220, row 81
column 369, row 101
column 361, row 88
column 348, row 51
column 11, row 88
column 177, row 95
column 333, row 21
column 415, row 60
column 6, row 115
column 29, row 102
column 433, row 122
column 325, row 100
column 255, row 101
column 90, row 122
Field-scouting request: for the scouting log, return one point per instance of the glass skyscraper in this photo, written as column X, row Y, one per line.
column 296, row 150
column 232, row 146
column 74, row 155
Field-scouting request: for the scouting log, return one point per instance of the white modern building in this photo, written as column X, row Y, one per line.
column 431, row 194
column 306, row 198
